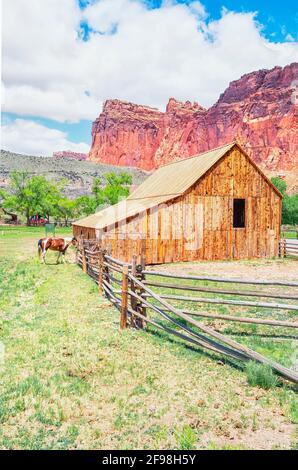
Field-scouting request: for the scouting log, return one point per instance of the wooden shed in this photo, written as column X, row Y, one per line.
column 213, row 206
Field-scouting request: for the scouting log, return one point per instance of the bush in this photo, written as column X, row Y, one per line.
column 260, row 375
column 186, row 438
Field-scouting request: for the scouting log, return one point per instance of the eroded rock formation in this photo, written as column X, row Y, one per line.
column 258, row 110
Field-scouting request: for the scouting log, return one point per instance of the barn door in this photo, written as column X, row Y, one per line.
column 239, row 228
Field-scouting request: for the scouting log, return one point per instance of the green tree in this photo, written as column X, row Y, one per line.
column 97, row 191
column 280, row 184
column 67, row 209
column 31, row 195
column 117, row 187
column 289, row 203
column 290, row 210
column 85, row 205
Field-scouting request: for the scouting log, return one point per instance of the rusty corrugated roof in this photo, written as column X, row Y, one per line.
column 166, row 183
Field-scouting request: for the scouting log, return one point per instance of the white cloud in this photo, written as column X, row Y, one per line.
column 145, row 56
column 57, row 103
column 29, row 137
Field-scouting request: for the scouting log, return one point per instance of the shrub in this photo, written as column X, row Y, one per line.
column 186, row 438
column 260, row 375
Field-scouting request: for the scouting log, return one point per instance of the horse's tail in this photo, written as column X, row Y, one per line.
column 39, row 249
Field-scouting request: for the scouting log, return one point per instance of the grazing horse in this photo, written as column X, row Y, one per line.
column 55, row 244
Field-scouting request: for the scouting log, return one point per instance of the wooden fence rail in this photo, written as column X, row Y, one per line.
column 129, row 287
column 288, row 247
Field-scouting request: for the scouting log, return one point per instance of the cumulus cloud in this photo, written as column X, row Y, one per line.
column 29, row 137
column 132, row 53
column 58, row 104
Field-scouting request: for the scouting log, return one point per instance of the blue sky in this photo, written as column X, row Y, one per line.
column 278, row 18
column 140, row 50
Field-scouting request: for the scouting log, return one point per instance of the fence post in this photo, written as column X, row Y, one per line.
column 133, row 301
column 124, row 297
column 142, row 292
column 100, row 271
column 284, row 248
column 105, row 272
column 108, row 252
column 78, row 251
column 84, row 260
column 137, row 271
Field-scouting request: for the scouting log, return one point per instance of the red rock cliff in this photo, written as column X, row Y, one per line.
column 258, row 110
column 126, row 134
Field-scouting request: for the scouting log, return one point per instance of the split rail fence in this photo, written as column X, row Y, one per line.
column 288, row 247
column 143, row 299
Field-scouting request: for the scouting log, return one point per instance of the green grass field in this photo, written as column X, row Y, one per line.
column 289, row 235
column 70, row 379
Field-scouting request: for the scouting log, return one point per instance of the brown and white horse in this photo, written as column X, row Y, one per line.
column 55, row 244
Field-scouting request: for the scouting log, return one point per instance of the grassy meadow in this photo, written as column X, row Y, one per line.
column 71, row 380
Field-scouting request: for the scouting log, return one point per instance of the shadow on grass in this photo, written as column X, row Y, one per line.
column 197, row 350
column 247, row 334
column 219, row 359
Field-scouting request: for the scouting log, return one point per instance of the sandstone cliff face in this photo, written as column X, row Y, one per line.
column 126, row 134
column 258, row 110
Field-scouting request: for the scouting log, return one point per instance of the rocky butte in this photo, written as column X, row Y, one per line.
column 70, row 154
column 260, row 110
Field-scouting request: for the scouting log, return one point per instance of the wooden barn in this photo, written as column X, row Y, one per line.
column 213, row 206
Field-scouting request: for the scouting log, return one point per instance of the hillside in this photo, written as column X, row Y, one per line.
column 259, row 110
column 79, row 174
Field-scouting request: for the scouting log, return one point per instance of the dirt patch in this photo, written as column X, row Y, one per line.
column 279, row 269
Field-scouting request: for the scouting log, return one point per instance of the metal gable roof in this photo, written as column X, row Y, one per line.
column 175, row 178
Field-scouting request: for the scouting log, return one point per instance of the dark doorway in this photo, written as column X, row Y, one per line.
column 239, row 213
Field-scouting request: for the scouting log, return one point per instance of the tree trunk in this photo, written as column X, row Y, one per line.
column 14, row 217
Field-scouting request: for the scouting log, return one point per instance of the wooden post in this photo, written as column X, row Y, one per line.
column 84, row 265
column 108, row 252
column 77, row 252
column 284, row 248
column 137, row 271
column 124, row 297
column 133, row 301
column 100, row 268
column 142, row 292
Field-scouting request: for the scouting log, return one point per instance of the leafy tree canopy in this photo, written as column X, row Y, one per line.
column 289, row 203
column 29, row 196
column 280, row 184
